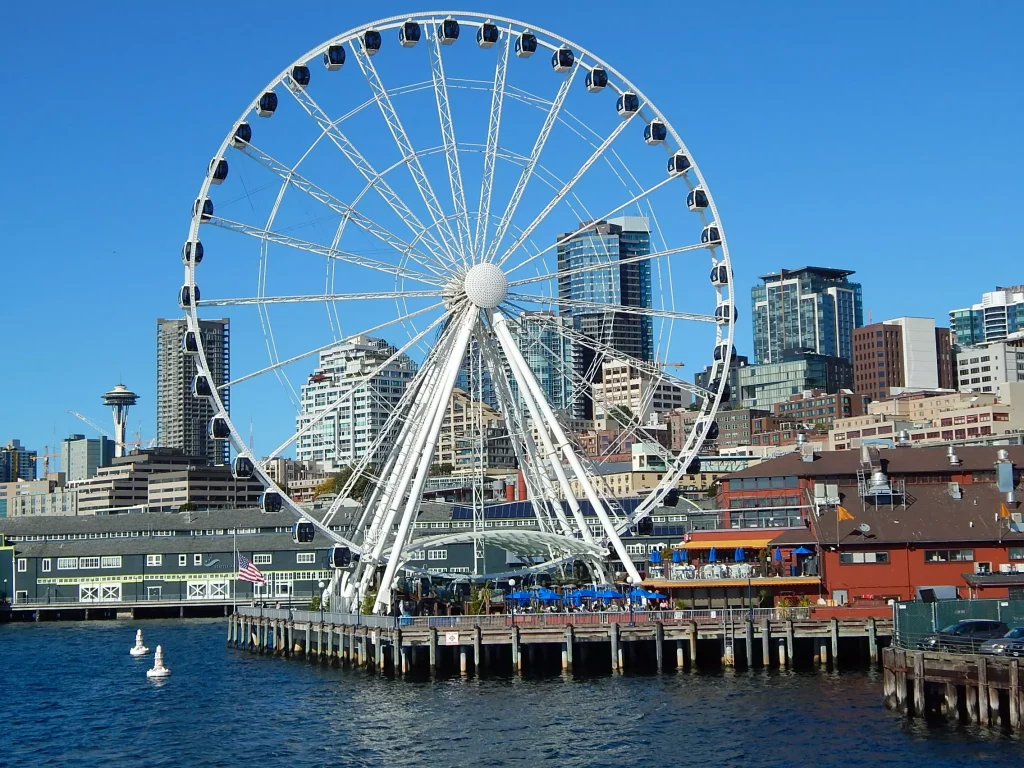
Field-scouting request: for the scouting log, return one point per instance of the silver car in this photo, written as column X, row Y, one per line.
column 1010, row 644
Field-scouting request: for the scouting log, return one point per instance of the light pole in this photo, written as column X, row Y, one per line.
column 321, row 585
column 512, row 602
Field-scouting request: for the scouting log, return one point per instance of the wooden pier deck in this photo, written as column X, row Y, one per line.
column 655, row 640
column 961, row 687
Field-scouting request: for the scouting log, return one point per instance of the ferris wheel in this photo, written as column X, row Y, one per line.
column 448, row 199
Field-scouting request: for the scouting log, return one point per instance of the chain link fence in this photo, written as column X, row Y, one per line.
column 916, row 623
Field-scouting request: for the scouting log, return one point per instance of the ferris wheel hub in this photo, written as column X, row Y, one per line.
column 486, row 285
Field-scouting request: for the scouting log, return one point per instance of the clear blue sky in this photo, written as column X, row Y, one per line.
column 879, row 137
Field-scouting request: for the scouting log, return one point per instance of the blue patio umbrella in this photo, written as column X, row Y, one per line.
column 608, row 594
column 802, row 551
column 778, row 553
column 655, row 596
column 520, row 596
column 655, row 556
column 587, row 592
column 547, row 595
column 676, row 556
column 713, row 555
column 739, row 555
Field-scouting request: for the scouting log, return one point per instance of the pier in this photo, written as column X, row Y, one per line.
column 616, row 642
column 960, row 687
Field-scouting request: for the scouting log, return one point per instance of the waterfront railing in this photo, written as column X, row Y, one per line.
column 533, row 620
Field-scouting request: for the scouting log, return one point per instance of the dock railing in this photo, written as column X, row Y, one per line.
column 533, row 620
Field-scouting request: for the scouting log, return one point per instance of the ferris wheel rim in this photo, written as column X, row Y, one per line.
column 724, row 332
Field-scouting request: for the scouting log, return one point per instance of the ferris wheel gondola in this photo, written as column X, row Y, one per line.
column 501, row 290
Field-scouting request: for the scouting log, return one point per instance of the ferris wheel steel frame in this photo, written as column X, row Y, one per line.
column 455, row 260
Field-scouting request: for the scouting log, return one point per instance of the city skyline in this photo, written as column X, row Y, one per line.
column 102, row 352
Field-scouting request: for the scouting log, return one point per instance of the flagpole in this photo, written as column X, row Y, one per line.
column 234, row 581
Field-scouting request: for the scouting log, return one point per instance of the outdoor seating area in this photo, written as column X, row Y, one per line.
column 591, row 599
column 713, row 565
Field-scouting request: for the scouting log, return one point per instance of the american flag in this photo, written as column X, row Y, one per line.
column 249, row 572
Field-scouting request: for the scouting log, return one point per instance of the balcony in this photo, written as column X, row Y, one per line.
column 728, row 575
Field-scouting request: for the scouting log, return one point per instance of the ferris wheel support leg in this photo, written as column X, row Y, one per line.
column 517, row 364
column 445, row 386
column 404, row 467
column 526, row 378
column 542, row 491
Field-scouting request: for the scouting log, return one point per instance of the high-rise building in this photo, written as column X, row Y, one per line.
column 551, row 357
column 736, row 363
column 625, row 395
column 762, row 386
column 17, row 463
column 984, row 368
column 80, row 456
column 999, row 315
column 809, row 309
column 182, row 420
column 351, row 428
column 467, row 379
column 904, row 353
column 619, row 284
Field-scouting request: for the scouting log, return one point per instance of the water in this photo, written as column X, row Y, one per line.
column 73, row 696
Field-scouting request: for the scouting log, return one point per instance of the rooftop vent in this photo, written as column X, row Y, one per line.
column 954, row 460
column 954, row 490
column 903, row 439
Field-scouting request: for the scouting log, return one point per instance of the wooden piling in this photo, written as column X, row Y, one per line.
column 659, row 645
column 517, row 656
column 570, row 642
column 680, row 656
column 478, row 642
column 1014, row 694
column 873, row 641
column 433, row 651
column 691, row 636
column 782, row 653
column 901, row 678
column 766, row 644
column 952, row 703
column 789, row 641
column 918, row 702
column 749, row 643
column 835, row 642
column 982, row 690
column 616, row 653
column 971, row 700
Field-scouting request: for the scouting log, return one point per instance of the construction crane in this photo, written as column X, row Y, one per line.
column 46, row 456
column 137, row 443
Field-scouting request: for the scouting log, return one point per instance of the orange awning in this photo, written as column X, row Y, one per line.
column 751, row 543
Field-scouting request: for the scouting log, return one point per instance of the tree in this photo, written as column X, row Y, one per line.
column 336, row 483
column 442, row 469
column 622, row 415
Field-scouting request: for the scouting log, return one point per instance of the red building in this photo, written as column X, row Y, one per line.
column 887, row 522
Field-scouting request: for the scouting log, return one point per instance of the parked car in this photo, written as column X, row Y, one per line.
column 965, row 636
column 1010, row 644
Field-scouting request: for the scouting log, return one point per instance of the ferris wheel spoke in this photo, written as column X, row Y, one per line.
column 611, row 309
column 323, row 250
column 566, row 238
column 490, row 152
column 366, row 170
column 282, row 363
column 348, row 213
column 448, row 240
column 608, row 265
column 305, row 298
column 356, row 383
column 444, row 112
column 524, row 178
column 607, row 351
column 567, row 187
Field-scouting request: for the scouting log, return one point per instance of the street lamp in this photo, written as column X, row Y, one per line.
column 512, row 602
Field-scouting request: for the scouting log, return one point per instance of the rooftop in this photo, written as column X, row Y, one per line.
column 826, row 272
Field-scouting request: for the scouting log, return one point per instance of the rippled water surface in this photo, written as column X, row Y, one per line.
column 72, row 696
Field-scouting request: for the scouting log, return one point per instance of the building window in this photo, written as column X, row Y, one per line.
column 949, row 555
column 264, row 559
column 154, row 560
column 437, row 554
column 182, row 560
column 1017, row 553
column 111, row 561
column 46, row 565
column 88, row 562
column 67, row 563
column 305, row 557
column 197, row 559
column 22, row 565
column 857, row 558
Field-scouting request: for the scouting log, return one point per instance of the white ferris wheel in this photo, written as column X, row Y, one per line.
column 487, row 197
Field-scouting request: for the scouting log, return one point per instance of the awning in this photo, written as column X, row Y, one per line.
column 760, row 543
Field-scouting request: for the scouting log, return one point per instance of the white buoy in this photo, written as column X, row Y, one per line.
column 139, row 649
column 158, row 670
